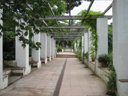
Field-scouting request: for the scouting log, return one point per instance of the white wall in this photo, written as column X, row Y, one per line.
column 120, row 44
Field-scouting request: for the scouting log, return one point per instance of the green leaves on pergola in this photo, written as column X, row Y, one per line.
column 22, row 14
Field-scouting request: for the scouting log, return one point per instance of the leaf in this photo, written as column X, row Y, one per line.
column 26, row 33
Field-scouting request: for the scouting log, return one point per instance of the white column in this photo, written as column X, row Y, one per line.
column 82, row 45
column 49, row 48
column 89, row 43
column 1, row 54
column 75, row 46
column 120, row 44
column 77, row 42
column 52, row 48
column 36, row 53
column 22, row 54
column 102, row 30
column 85, row 42
column 43, row 49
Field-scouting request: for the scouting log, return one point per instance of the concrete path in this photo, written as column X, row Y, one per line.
column 69, row 78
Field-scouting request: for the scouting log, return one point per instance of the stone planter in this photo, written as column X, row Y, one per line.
column 10, row 63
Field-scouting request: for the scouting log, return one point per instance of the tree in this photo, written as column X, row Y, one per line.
column 29, row 12
column 74, row 3
column 110, row 39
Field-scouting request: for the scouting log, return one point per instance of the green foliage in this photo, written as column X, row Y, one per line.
column 91, row 25
column 59, row 49
column 111, row 84
column 22, row 14
column 86, row 55
column 103, row 58
column 9, row 45
column 79, row 48
column 110, row 39
column 73, row 44
column 80, row 43
column 79, row 55
column 74, row 3
column 93, row 56
column 110, row 66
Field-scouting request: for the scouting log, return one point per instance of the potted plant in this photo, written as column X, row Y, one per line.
column 93, row 57
column 103, row 59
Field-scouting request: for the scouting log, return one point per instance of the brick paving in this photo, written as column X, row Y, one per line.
column 77, row 81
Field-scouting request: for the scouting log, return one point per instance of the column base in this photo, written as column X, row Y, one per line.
column 27, row 70
column 44, row 60
column 3, row 81
column 39, row 64
column 49, row 59
column 52, row 57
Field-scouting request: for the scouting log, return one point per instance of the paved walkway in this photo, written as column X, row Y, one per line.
column 69, row 78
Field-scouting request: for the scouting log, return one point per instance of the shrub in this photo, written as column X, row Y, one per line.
column 79, row 55
column 86, row 55
column 103, row 58
column 93, row 56
column 8, row 45
column 59, row 49
column 111, row 84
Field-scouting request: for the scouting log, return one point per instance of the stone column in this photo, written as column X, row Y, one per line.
column 82, row 45
column 22, row 54
column 43, row 49
column 36, row 53
column 74, row 46
column 89, row 43
column 49, row 48
column 77, row 44
column 85, row 42
column 52, row 48
column 102, row 31
column 120, row 44
column 1, row 53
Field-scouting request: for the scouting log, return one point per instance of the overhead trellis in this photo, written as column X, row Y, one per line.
column 38, row 14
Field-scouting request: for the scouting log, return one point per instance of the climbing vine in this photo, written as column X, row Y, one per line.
column 110, row 39
column 111, row 84
column 29, row 12
column 91, row 26
column 23, row 14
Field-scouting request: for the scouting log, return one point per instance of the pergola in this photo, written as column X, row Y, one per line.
column 73, row 35
column 47, row 39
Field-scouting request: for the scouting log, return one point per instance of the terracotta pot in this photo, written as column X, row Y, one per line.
column 93, row 60
column 103, row 64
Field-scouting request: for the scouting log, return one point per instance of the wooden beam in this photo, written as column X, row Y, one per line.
column 65, row 32
column 110, row 6
column 89, row 8
column 73, row 17
column 63, row 27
